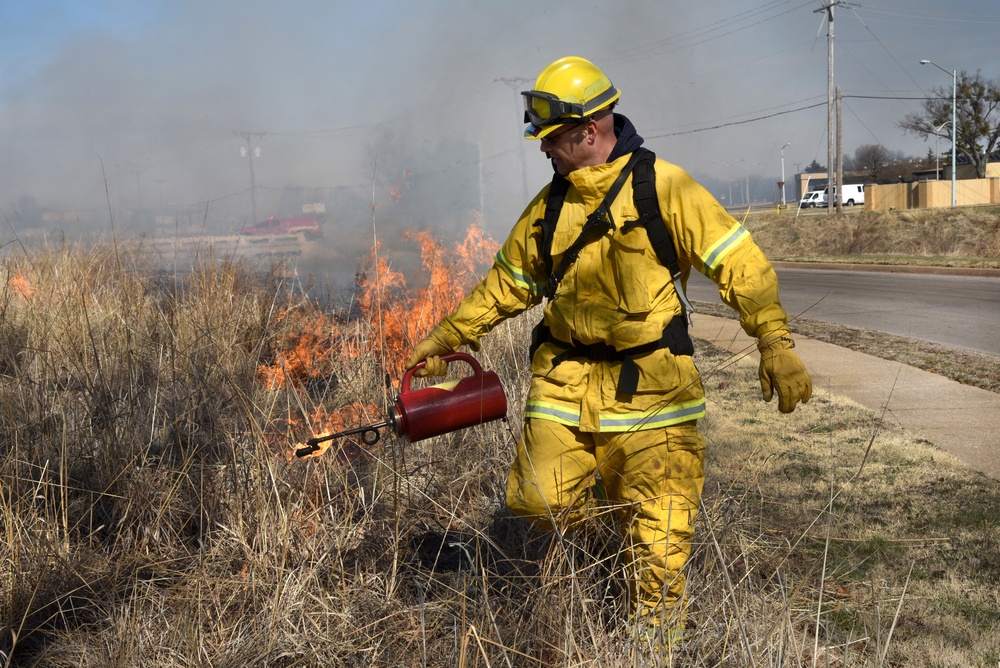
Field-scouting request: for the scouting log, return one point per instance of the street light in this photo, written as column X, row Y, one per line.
column 783, row 174
column 954, row 87
column 749, row 165
column 748, row 185
column 730, row 184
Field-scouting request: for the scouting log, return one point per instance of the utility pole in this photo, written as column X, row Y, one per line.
column 516, row 83
column 250, row 152
column 482, row 186
column 829, row 102
column 781, row 184
column 840, row 154
column 831, row 179
column 138, row 172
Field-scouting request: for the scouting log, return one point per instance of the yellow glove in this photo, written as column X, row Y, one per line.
column 428, row 351
column 782, row 371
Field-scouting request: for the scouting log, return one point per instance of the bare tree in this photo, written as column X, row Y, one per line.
column 872, row 159
column 977, row 112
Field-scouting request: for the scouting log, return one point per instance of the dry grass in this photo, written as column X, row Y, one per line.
column 963, row 237
column 151, row 514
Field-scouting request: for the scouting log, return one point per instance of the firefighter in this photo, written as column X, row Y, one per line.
column 615, row 397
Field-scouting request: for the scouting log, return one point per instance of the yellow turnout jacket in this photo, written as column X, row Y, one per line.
column 618, row 293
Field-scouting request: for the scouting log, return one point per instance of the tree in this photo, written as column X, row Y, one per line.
column 872, row 159
column 977, row 113
column 815, row 168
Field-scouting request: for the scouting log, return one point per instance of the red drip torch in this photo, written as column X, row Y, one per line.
column 434, row 410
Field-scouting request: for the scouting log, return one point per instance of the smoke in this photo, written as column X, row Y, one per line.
column 139, row 114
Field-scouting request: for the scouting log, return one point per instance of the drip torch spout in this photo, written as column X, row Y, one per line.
column 369, row 436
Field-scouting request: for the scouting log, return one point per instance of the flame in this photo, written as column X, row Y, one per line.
column 311, row 344
column 400, row 316
column 20, row 284
column 397, row 190
column 302, row 354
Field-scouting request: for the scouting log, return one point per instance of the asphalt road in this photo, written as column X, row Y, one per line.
column 958, row 311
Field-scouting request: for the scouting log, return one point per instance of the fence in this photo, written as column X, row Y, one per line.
column 931, row 194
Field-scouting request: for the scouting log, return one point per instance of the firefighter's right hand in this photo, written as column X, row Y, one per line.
column 428, row 351
column 782, row 372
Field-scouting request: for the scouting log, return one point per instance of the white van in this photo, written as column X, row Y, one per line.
column 852, row 194
column 813, row 198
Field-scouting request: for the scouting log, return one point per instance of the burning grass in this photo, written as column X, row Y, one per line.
column 152, row 514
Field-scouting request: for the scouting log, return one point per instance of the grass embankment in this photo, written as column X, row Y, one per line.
column 964, row 238
column 152, row 514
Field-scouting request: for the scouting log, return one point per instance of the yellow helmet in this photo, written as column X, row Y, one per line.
column 569, row 90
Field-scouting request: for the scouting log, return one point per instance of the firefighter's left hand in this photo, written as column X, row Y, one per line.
column 782, row 372
column 428, row 351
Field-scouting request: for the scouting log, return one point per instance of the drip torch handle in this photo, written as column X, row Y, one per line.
column 404, row 386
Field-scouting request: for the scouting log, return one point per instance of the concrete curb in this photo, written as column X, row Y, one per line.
column 890, row 268
column 962, row 420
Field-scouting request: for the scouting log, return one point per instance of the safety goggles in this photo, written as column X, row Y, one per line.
column 541, row 109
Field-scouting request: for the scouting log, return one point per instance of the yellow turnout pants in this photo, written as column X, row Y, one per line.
column 654, row 477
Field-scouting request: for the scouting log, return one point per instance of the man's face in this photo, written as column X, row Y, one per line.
column 566, row 147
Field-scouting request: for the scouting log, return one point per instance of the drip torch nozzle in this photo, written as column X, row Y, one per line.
column 369, row 436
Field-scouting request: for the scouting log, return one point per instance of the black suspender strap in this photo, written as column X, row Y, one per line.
column 598, row 223
column 644, row 194
column 547, row 224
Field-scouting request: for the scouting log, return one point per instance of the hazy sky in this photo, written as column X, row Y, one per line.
column 140, row 102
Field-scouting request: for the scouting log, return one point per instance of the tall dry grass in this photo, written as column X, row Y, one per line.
column 969, row 235
column 152, row 513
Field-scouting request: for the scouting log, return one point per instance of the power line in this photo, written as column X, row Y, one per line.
column 719, row 126
column 704, row 33
column 948, row 20
column 743, row 122
column 889, row 97
column 885, row 48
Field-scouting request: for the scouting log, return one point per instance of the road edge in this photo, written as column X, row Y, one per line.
column 889, row 268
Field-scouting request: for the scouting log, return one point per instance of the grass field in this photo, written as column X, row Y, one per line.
column 962, row 237
column 153, row 514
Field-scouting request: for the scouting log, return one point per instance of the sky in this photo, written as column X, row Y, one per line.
column 117, row 106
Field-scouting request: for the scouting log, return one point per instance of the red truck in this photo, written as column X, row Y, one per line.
column 308, row 226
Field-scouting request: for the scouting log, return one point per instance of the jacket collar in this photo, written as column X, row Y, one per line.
column 628, row 139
